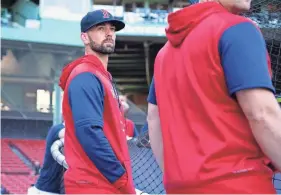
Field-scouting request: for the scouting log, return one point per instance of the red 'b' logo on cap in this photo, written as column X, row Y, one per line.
column 105, row 13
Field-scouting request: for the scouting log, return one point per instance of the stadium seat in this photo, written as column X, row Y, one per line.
column 33, row 149
column 10, row 162
column 17, row 184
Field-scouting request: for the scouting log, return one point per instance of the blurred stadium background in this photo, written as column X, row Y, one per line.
column 40, row 37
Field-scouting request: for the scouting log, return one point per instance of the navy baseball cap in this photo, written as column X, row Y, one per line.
column 97, row 17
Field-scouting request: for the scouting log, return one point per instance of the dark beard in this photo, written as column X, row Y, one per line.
column 101, row 48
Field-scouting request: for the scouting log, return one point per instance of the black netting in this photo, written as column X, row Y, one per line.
column 277, row 182
column 267, row 14
column 146, row 172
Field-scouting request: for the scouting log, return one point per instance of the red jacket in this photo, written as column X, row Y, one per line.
column 81, row 168
column 208, row 143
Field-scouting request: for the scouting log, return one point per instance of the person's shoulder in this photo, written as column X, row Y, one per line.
column 247, row 22
column 163, row 51
column 230, row 18
column 57, row 127
column 245, row 32
column 86, row 76
column 54, row 130
column 86, row 80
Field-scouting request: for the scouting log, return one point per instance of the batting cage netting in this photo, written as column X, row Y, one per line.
column 146, row 173
column 267, row 14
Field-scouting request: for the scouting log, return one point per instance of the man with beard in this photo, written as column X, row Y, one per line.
column 95, row 141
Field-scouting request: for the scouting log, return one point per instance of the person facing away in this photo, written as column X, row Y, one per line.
column 214, row 123
column 95, row 142
column 50, row 175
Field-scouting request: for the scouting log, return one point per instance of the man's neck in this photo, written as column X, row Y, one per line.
column 102, row 57
column 233, row 11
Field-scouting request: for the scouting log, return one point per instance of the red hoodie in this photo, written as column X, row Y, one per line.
column 81, row 168
column 208, row 144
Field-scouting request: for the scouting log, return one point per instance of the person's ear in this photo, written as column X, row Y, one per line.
column 85, row 38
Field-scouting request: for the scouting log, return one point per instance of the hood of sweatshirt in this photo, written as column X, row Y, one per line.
column 89, row 59
column 182, row 22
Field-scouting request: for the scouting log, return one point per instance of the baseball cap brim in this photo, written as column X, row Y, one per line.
column 119, row 25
